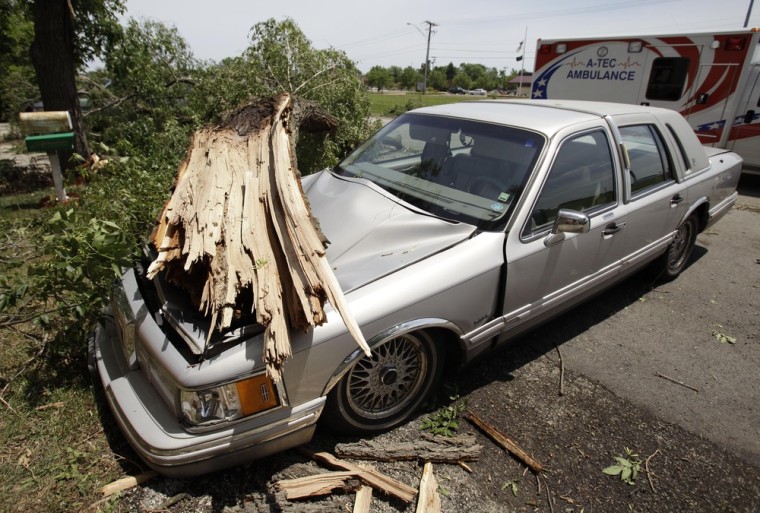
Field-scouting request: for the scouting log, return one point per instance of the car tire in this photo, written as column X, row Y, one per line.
column 674, row 260
column 383, row 390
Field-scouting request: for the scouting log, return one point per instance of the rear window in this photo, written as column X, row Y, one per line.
column 650, row 160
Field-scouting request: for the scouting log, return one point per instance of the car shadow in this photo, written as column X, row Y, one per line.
column 500, row 364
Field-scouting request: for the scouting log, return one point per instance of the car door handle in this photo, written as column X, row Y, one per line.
column 675, row 200
column 612, row 229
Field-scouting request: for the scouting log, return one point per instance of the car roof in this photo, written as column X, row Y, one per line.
column 547, row 116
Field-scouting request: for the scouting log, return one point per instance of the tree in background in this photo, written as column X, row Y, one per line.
column 379, row 77
column 451, row 72
column 462, row 80
column 18, row 89
column 67, row 34
column 409, row 78
column 149, row 102
column 437, row 79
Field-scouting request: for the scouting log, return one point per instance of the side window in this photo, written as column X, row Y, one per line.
column 667, row 78
column 582, row 178
column 650, row 161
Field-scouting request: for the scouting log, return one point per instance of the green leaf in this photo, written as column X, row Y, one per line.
column 613, row 470
column 723, row 338
column 624, row 462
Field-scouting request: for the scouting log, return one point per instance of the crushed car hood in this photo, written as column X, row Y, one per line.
column 372, row 234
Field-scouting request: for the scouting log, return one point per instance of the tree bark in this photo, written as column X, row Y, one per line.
column 438, row 449
column 52, row 55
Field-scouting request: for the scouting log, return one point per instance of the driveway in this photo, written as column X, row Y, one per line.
column 669, row 331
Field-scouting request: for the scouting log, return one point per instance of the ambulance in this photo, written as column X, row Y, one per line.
column 711, row 78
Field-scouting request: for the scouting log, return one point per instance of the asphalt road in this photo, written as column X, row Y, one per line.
column 653, row 332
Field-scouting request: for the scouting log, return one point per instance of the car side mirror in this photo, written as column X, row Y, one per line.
column 567, row 221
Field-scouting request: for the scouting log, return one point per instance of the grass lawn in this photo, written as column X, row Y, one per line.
column 393, row 104
column 55, row 452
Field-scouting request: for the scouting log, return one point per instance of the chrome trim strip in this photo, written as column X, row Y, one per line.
column 724, row 206
column 647, row 251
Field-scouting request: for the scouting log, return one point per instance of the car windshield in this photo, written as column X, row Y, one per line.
column 460, row 170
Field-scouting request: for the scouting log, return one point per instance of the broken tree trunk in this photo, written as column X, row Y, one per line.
column 238, row 234
column 438, row 449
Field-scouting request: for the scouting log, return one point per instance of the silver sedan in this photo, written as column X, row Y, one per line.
column 452, row 230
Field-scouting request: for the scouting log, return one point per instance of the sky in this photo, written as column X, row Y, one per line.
column 394, row 32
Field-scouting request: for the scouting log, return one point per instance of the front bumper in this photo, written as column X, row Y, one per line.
column 160, row 439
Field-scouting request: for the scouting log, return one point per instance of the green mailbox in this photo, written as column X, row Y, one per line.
column 50, row 142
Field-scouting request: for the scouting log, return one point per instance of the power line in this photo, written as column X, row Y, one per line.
column 570, row 11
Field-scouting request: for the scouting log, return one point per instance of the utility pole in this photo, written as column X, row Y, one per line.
column 749, row 13
column 427, row 55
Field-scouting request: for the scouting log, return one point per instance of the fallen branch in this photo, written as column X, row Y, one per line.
column 561, row 372
column 429, row 501
column 676, row 381
column 126, row 483
column 503, row 441
column 7, row 405
column 549, row 498
column 436, row 449
column 465, row 466
column 168, row 503
column 371, row 477
column 646, row 467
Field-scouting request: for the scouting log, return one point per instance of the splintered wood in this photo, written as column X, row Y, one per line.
column 238, row 234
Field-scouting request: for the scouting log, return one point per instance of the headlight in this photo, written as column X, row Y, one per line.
column 228, row 402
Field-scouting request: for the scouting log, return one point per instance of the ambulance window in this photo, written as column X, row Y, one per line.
column 667, row 79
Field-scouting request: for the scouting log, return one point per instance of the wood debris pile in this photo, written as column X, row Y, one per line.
column 294, row 492
column 238, row 234
column 363, row 480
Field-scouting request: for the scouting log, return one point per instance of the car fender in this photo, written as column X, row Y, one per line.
column 697, row 207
